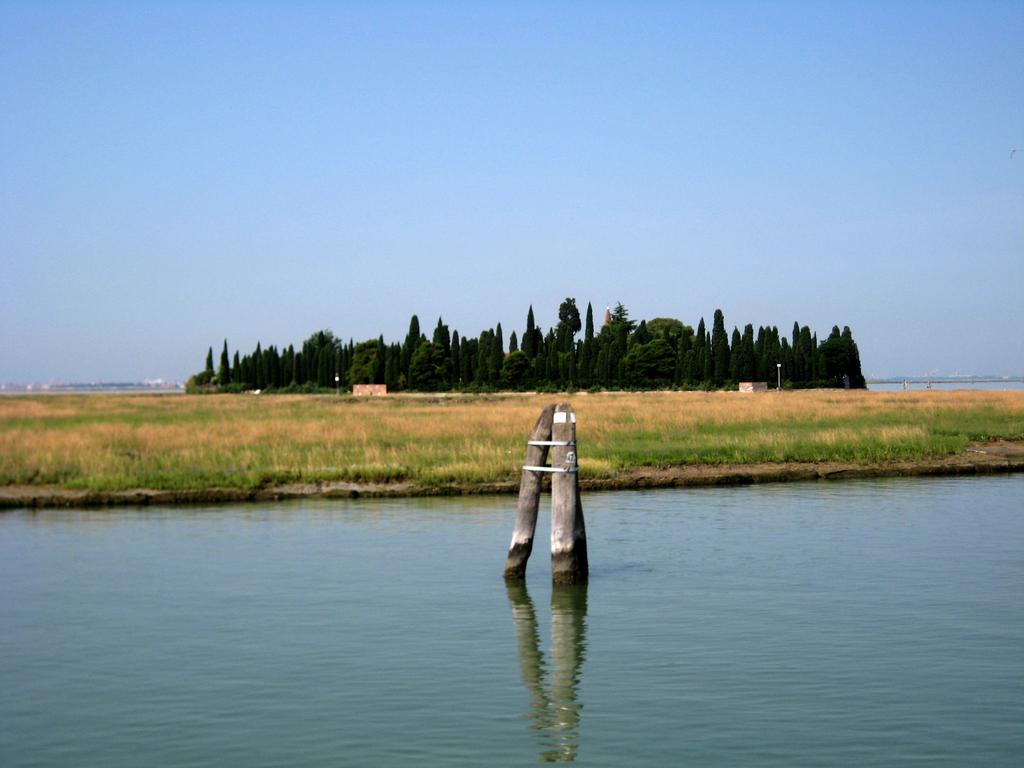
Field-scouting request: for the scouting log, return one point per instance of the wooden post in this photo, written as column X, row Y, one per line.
column 529, row 498
column 555, row 428
column 568, row 533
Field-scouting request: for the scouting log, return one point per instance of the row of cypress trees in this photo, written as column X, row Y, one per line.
column 622, row 354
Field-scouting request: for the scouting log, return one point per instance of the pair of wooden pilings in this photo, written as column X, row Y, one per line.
column 555, row 430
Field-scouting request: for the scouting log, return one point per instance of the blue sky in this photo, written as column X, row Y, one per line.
column 173, row 174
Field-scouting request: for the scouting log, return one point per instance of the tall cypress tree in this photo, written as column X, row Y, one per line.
column 456, row 355
column 392, row 366
column 482, row 374
column 272, row 360
column 529, row 340
column 348, row 357
column 719, row 349
column 382, row 357
column 586, row 366
column 708, row 376
column 696, row 371
column 786, row 358
column 224, row 372
column 853, row 360
column 760, row 373
column 497, row 356
column 773, row 355
column 258, row 372
column 288, row 366
column 209, row 362
column 441, row 337
column 816, row 374
column 746, row 367
column 467, row 360
column 412, row 340
column 803, row 353
column 734, row 354
column 554, row 373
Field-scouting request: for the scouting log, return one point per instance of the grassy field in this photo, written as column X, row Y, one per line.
column 118, row 442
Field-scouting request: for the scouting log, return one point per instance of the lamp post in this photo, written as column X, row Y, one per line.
column 337, row 383
column 778, row 367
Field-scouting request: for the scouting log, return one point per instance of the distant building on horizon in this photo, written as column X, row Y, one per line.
column 369, row 390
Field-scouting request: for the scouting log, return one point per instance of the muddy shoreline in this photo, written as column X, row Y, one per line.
column 996, row 457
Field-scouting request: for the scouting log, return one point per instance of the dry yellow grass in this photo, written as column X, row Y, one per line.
column 111, row 442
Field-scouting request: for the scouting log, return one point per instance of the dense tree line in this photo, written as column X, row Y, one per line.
column 658, row 354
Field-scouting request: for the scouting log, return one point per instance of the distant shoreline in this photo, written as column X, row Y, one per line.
column 112, row 389
column 989, row 458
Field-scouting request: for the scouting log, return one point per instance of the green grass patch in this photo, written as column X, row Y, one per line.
column 119, row 442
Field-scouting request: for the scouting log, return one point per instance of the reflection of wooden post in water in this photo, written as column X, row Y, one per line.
column 556, row 427
column 568, row 647
column 531, row 660
column 554, row 709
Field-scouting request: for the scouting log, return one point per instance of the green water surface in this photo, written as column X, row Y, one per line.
column 859, row 623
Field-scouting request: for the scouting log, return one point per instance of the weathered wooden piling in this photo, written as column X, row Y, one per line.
column 568, row 532
column 555, row 429
column 529, row 497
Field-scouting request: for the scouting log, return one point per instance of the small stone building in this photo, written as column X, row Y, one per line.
column 369, row 390
column 753, row 386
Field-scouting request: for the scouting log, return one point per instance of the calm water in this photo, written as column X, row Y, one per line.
column 859, row 623
column 920, row 386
